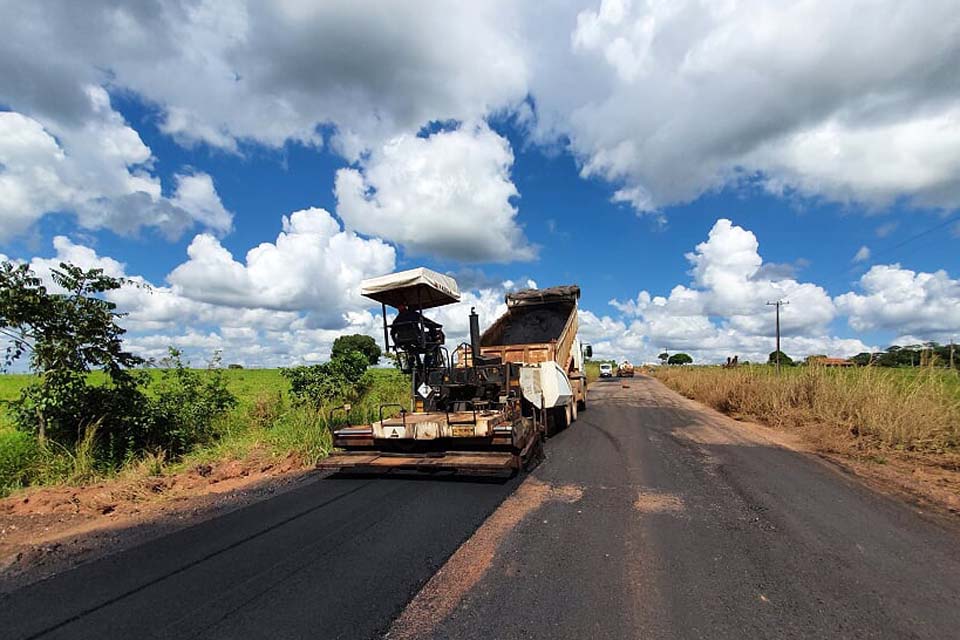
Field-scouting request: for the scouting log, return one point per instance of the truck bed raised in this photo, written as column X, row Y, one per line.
column 539, row 325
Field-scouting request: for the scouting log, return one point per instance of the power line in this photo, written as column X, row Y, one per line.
column 906, row 241
column 843, row 279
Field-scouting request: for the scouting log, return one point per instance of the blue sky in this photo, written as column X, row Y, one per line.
column 579, row 152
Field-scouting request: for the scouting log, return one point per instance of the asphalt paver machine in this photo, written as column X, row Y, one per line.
column 466, row 413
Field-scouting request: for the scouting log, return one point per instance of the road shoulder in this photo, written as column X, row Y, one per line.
column 932, row 490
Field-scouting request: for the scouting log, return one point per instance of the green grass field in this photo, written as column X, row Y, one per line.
column 265, row 419
column 249, row 385
column 246, row 384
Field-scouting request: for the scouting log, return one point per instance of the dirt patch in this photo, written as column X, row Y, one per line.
column 470, row 562
column 46, row 530
column 650, row 502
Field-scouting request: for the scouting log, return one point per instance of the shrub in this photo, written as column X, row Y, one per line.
column 187, row 403
column 340, row 380
column 62, row 413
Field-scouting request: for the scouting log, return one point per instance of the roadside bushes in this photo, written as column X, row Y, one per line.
column 66, row 331
column 172, row 412
column 94, row 429
column 186, row 403
column 89, row 398
column 340, row 380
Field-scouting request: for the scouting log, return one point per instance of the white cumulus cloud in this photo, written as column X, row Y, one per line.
column 449, row 195
column 313, row 265
column 664, row 100
column 98, row 169
column 904, row 302
column 668, row 100
column 724, row 311
column 226, row 72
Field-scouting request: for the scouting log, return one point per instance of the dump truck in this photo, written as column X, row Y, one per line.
column 473, row 409
column 625, row 369
column 539, row 331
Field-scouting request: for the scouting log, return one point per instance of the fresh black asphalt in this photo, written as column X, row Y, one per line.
column 337, row 558
column 687, row 528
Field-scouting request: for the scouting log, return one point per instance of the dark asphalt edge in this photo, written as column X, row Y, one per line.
column 161, row 525
column 189, row 565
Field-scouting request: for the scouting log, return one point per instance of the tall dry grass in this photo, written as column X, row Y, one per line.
column 910, row 410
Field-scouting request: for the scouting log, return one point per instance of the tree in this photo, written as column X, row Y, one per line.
column 679, row 358
column 67, row 334
column 663, row 357
column 336, row 381
column 73, row 330
column 931, row 354
column 785, row 360
column 862, row 359
column 364, row 345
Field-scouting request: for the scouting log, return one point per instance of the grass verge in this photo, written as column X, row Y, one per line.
column 867, row 409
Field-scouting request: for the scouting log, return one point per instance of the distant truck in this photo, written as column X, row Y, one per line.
column 625, row 370
column 539, row 330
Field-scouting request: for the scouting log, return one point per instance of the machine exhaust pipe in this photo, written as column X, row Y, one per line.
column 474, row 334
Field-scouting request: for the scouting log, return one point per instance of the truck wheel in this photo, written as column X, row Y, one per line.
column 582, row 404
column 550, row 423
column 535, row 456
column 557, row 420
column 573, row 412
column 563, row 417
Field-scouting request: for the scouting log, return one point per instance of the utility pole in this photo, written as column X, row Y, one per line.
column 778, row 304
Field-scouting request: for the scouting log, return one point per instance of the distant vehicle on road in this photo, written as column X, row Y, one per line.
column 606, row 371
column 625, row 370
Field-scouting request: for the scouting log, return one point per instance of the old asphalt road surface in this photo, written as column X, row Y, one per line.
column 651, row 518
